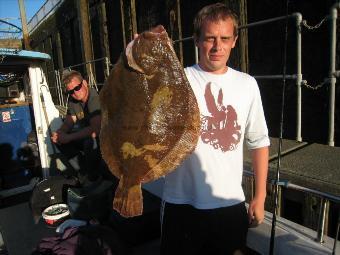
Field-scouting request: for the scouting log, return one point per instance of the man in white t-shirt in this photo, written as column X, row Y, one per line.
column 204, row 210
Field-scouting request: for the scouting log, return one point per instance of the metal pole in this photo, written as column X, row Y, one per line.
column 299, row 76
column 60, row 88
column 85, row 63
column 179, row 24
column 267, row 21
column 278, row 76
column 57, row 83
column 333, row 14
column 183, row 39
column 321, row 224
column 35, row 73
column 107, row 63
column 196, row 53
column 298, row 18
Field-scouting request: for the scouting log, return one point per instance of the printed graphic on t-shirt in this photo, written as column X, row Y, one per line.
column 220, row 129
column 80, row 115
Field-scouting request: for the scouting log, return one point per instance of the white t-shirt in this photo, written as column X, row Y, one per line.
column 231, row 112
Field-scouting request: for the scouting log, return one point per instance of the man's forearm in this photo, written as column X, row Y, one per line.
column 83, row 133
column 65, row 128
column 260, row 166
column 67, row 125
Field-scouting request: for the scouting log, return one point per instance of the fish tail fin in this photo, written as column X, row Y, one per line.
column 128, row 199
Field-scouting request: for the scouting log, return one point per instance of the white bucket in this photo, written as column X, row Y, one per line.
column 55, row 214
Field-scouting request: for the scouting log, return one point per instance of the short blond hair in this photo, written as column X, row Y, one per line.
column 214, row 12
column 68, row 75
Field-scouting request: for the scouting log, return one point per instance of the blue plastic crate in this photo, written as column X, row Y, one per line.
column 15, row 126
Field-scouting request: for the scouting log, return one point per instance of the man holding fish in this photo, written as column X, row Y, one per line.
column 204, row 205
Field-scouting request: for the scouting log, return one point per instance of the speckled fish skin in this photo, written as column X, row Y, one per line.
column 150, row 117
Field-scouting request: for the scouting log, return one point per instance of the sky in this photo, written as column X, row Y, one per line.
column 10, row 9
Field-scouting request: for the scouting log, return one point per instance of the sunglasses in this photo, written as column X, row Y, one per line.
column 76, row 88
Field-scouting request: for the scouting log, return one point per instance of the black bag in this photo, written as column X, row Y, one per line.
column 86, row 240
column 48, row 192
column 91, row 202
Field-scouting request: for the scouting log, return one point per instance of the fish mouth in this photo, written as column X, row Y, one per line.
column 157, row 30
column 154, row 33
column 130, row 59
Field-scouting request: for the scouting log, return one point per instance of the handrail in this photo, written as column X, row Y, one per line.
column 298, row 18
column 277, row 76
column 87, row 62
column 290, row 185
column 325, row 198
column 267, row 21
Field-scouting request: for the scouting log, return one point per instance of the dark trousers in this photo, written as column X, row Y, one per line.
column 190, row 231
column 88, row 156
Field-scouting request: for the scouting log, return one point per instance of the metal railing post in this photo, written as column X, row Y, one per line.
column 321, row 223
column 59, row 93
column 331, row 112
column 196, row 54
column 107, row 64
column 325, row 199
column 298, row 17
column 299, row 76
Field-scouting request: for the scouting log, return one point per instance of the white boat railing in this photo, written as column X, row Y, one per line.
column 325, row 198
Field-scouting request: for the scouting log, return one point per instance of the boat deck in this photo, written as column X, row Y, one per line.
column 299, row 164
column 21, row 235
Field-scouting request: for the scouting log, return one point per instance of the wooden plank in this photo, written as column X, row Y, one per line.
column 122, row 12
column 103, row 35
column 103, row 30
column 85, row 32
column 239, row 56
column 59, row 51
column 129, row 20
column 133, row 18
column 24, row 25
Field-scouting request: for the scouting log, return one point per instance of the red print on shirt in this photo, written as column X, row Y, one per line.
column 220, row 129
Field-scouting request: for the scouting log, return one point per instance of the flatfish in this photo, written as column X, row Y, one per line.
column 150, row 117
